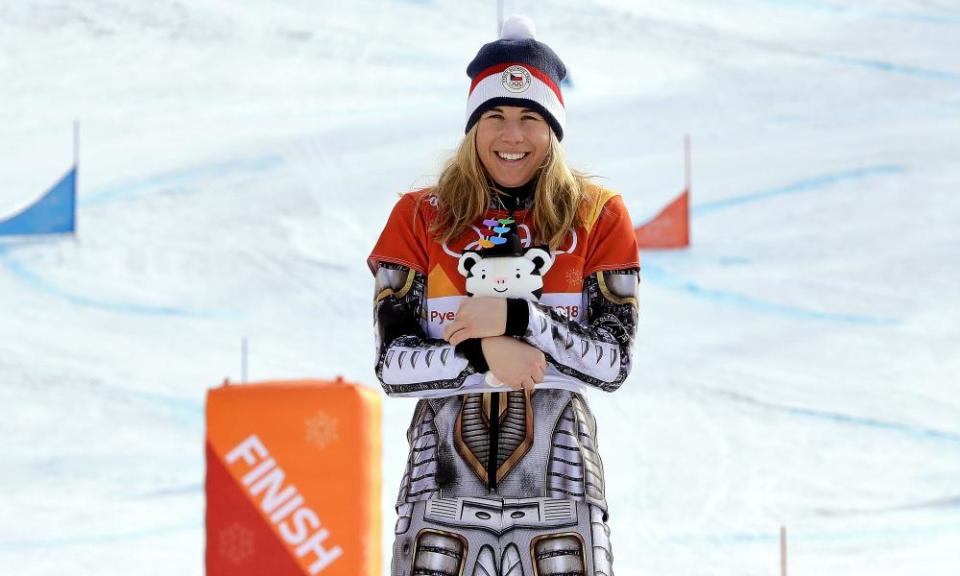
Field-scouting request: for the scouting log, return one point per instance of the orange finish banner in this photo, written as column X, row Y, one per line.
column 293, row 479
column 668, row 229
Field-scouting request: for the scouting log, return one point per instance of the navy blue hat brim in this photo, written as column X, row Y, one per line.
column 519, row 102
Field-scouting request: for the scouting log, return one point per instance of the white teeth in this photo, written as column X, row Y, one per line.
column 511, row 155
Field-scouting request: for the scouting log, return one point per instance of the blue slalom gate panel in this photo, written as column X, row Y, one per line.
column 53, row 213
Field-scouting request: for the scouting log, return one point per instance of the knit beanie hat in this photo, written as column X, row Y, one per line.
column 517, row 70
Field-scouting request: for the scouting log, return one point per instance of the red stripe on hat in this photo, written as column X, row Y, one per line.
column 498, row 68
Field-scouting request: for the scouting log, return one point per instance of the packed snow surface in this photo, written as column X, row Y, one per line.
column 797, row 366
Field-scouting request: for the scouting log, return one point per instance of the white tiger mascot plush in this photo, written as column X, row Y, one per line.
column 508, row 276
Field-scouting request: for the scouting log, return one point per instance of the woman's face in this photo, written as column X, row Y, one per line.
column 512, row 143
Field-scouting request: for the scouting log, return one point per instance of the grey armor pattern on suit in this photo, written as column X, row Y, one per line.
column 544, row 513
column 564, row 464
column 420, row 478
column 575, row 469
column 597, row 354
column 503, row 537
column 408, row 361
column 486, row 563
column 602, row 553
column 511, row 565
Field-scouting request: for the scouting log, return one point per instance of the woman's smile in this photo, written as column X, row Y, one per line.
column 512, row 143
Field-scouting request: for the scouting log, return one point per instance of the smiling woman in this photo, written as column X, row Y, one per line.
column 512, row 143
column 503, row 294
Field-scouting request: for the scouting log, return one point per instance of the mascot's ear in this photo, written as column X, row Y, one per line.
column 467, row 262
column 542, row 260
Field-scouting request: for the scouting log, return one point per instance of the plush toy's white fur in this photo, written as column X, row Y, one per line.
column 506, row 276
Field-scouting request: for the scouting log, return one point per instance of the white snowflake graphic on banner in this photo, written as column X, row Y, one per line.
column 236, row 543
column 321, row 430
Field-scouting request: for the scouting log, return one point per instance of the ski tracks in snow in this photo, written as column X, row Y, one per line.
column 175, row 180
column 656, row 266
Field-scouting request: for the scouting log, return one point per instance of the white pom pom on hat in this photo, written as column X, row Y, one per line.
column 517, row 70
column 518, row 27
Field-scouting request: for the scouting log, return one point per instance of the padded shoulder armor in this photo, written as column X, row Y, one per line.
column 619, row 286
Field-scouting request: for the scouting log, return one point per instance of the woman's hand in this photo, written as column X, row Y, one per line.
column 514, row 363
column 479, row 317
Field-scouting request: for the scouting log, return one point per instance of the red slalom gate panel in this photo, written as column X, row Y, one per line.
column 668, row 229
column 293, row 479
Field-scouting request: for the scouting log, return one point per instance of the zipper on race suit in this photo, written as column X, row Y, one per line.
column 494, row 438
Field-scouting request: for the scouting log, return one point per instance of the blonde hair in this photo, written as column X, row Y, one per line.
column 463, row 194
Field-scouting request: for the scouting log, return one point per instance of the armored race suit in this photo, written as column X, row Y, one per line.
column 500, row 481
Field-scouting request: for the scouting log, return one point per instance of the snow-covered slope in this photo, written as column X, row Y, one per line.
column 798, row 366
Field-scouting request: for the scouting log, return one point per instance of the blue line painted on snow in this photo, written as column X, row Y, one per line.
column 815, row 6
column 23, row 273
column 805, row 185
column 190, row 412
column 810, row 5
column 733, row 261
column 658, row 275
column 919, row 432
column 26, row 275
column 180, row 177
column 911, row 430
column 948, row 19
column 893, row 68
column 87, row 540
column 177, row 405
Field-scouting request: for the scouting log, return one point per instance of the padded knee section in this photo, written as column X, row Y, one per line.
column 438, row 554
column 556, row 555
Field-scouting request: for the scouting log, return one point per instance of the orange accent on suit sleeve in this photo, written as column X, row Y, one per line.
column 404, row 237
column 613, row 244
column 592, row 205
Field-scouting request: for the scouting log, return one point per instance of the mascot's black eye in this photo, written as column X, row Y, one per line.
column 518, row 275
column 483, row 276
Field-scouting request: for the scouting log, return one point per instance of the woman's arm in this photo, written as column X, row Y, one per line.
column 409, row 363
column 597, row 353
